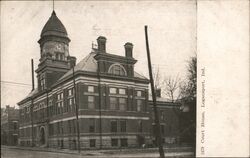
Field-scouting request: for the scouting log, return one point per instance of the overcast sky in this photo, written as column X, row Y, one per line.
column 171, row 29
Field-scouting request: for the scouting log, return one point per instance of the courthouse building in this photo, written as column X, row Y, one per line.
column 112, row 98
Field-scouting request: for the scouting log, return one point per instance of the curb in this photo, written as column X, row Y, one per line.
column 107, row 152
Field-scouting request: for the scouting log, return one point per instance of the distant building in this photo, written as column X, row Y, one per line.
column 187, row 119
column 9, row 125
column 169, row 119
column 112, row 97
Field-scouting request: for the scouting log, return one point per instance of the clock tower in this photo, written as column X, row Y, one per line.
column 55, row 60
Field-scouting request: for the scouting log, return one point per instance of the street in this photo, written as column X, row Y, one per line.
column 7, row 152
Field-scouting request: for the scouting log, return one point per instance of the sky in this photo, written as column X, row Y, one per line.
column 171, row 31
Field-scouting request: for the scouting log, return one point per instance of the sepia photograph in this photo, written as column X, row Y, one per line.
column 98, row 78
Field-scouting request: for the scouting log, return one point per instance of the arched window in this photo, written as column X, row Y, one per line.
column 117, row 69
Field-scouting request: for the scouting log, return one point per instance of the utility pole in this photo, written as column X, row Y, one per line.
column 100, row 102
column 47, row 120
column 31, row 105
column 77, row 120
column 157, row 122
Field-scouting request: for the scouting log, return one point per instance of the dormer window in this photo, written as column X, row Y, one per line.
column 117, row 69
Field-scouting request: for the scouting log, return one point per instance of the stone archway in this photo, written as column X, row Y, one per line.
column 42, row 135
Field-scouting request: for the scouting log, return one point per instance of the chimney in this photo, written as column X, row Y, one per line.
column 101, row 41
column 158, row 92
column 72, row 61
column 128, row 50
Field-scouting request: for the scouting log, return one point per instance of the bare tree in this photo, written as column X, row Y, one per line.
column 171, row 87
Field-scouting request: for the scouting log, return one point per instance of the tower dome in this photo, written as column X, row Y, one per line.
column 54, row 27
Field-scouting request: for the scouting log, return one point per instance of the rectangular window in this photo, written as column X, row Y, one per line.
column 113, row 103
column 162, row 115
column 113, row 126
column 50, row 103
column 59, row 103
column 162, row 129
column 122, row 91
column 122, row 104
column 124, row 142
column 15, row 125
column 112, row 90
column 92, row 143
column 69, row 126
column 91, row 125
column 114, row 142
column 138, row 93
column 90, row 88
column 139, row 105
column 51, row 129
column 74, row 126
column 139, row 126
column 71, row 92
column 154, row 129
column 91, row 103
column 70, row 101
column 58, row 127
column 123, row 126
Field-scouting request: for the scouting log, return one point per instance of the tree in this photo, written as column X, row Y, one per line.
column 171, row 86
column 188, row 86
column 188, row 99
column 168, row 84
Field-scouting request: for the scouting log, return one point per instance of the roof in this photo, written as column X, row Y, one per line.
column 160, row 99
column 54, row 27
column 89, row 64
column 32, row 93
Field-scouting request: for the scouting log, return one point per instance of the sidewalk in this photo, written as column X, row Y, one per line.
column 130, row 152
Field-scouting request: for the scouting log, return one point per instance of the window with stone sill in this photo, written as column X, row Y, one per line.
column 123, row 126
column 124, row 142
column 113, row 126
column 92, row 143
column 91, row 102
column 138, row 93
column 91, row 125
column 139, row 105
column 122, row 91
column 114, row 142
column 70, row 92
column 59, row 103
column 139, row 126
column 113, row 103
column 90, row 88
column 122, row 104
column 112, row 90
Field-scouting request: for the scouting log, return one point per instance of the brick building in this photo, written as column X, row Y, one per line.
column 9, row 125
column 112, row 98
column 169, row 117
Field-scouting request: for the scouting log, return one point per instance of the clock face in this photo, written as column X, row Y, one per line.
column 59, row 47
column 53, row 48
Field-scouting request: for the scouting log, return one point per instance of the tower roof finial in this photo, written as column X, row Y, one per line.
column 53, row 5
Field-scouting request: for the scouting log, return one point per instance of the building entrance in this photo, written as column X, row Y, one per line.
column 42, row 136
